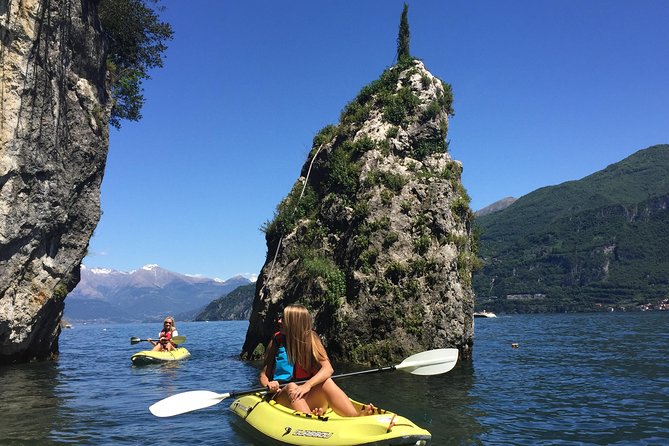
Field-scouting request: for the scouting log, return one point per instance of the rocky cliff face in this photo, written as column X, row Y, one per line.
column 53, row 148
column 375, row 237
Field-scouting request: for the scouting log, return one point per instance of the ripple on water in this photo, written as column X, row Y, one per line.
column 574, row 379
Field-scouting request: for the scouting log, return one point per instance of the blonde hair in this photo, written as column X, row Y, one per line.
column 171, row 319
column 303, row 345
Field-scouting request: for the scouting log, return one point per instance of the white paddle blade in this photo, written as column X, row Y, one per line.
column 431, row 362
column 186, row 402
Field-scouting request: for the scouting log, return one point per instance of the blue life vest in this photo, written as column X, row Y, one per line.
column 283, row 369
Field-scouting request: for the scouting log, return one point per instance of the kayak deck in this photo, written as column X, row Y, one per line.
column 288, row 426
column 150, row 357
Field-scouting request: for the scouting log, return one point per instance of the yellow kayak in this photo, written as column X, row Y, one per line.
column 150, row 357
column 288, row 426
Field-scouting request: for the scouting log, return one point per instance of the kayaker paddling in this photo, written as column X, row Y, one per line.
column 297, row 353
column 164, row 342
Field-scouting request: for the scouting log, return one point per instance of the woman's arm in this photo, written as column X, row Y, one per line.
column 264, row 377
column 324, row 372
column 320, row 377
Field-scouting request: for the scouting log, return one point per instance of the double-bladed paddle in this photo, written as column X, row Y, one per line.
column 176, row 339
column 431, row 362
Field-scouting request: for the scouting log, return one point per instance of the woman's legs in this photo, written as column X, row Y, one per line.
column 312, row 401
column 320, row 397
column 338, row 399
column 159, row 347
column 283, row 398
column 317, row 400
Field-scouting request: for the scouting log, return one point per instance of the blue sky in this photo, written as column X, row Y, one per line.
column 545, row 91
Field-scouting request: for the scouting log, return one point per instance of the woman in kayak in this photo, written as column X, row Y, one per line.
column 164, row 342
column 309, row 361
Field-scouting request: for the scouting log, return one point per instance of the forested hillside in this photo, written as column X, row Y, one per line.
column 234, row 306
column 598, row 242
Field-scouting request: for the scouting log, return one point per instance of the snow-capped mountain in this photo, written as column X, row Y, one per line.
column 146, row 294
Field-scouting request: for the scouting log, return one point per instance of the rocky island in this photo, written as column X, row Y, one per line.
column 375, row 236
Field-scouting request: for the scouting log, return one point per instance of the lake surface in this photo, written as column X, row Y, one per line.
column 585, row 379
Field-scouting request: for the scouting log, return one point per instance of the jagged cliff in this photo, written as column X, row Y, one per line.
column 54, row 112
column 375, row 237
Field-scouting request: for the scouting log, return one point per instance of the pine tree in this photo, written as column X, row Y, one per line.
column 137, row 44
column 403, row 37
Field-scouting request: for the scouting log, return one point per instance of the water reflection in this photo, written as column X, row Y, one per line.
column 443, row 404
column 29, row 403
column 454, row 406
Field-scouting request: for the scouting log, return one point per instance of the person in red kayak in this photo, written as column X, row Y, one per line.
column 296, row 353
column 164, row 342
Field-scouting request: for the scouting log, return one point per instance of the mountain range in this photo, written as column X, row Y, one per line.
column 598, row 242
column 589, row 244
column 144, row 295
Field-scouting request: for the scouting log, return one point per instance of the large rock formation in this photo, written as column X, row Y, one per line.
column 375, row 237
column 53, row 148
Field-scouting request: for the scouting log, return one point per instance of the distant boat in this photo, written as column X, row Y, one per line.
column 484, row 314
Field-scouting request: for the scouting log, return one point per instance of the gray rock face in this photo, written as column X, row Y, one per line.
column 375, row 237
column 53, row 148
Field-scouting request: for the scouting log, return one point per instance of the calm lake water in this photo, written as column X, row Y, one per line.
column 574, row 379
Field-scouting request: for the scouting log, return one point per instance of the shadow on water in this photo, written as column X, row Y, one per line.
column 30, row 405
column 442, row 404
column 453, row 406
